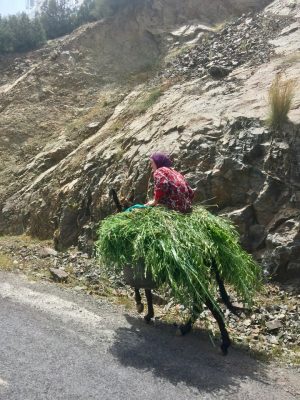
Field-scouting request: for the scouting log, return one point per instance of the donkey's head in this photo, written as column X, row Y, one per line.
column 123, row 203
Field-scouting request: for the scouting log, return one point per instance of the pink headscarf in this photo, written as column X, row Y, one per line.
column 161, row 160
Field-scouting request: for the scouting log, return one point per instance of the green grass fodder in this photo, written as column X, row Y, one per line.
column 179, row 250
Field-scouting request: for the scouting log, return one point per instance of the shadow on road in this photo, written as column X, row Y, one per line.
column 192, row 360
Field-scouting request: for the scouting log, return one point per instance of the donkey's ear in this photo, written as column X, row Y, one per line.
column 131, row 196
column 113, row 194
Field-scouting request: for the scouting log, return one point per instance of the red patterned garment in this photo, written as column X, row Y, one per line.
column 172, row 190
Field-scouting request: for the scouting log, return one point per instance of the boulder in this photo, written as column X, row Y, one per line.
column 47, row 252
column 282, row 255
column 59, row 274
column 218, row 72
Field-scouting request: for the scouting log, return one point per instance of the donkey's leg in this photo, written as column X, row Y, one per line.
column 138, row 301
column 226, row 299
column 226, row 342
column 150, row 305
column 187, row 327
column 224, row 295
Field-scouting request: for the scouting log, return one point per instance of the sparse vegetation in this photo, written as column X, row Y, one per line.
column 147, row 101
column 178, row 51
column 219, row 26
column 289, row 60
column 281, row 94
column 6, row 262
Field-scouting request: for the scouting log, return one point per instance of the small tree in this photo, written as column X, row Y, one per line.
column 57, row 18
column 20, row 33
column 6, row 37
column 27, row 34
column 86, row 12
column 281, row 94
column 107, row 8
column 39, row 33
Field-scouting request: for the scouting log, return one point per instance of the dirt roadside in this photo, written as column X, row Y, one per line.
column 269, row 332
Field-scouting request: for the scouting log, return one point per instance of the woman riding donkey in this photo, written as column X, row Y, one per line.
column 170, row 187
column 191, row 250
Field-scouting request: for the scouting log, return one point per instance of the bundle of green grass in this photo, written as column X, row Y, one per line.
column 179, row 250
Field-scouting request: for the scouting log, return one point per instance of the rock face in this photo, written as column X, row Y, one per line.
column 76, row 122
column 244, row 40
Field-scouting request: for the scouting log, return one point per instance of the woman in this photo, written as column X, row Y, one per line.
column 170, row 187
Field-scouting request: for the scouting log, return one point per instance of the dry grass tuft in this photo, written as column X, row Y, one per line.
column 6, row 262
column 281, row 95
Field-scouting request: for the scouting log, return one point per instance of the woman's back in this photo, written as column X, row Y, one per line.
column 172, row 190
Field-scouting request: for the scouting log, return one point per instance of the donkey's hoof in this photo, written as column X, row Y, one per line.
column 238, row 311
column 224, row 347
column 178, row 332
column 184, row 329
column 140, row 308
column 148, row 318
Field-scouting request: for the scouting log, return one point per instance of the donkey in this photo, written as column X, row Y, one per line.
column 185, row 328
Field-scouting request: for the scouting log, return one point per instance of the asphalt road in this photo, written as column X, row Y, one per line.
column 58, row 344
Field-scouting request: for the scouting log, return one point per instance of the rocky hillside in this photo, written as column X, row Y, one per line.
column 191, row 78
